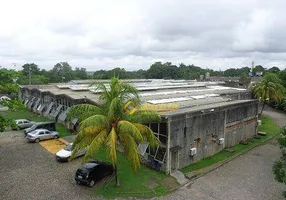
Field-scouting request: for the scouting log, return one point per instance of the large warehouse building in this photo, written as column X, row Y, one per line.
column 199, row 119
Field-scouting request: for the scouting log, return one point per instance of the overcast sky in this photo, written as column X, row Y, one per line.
column 134, row 34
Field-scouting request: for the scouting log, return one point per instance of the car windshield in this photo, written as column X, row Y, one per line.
column 68, row 148
column 34, row 126
column 33, row 132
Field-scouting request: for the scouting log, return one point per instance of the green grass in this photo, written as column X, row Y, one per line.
column 131, row 184
column 26, row 114
column 268, row 126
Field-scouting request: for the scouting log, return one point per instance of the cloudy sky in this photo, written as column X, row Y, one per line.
column 134, row 34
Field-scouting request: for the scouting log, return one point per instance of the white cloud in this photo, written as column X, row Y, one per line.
column 134, row 34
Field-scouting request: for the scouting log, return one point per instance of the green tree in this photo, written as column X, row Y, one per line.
column 244, row 80
column 30, row 67
column 35, row 80
column 274, row 70
column 8, row 80
column 282, row 76
column 61, row 72
column 258, row 68
column 279, row 167
column 270, row 88
column 111, row 125
column 233, row 72
column 80, row 73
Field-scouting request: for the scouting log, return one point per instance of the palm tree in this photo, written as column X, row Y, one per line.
column 111, row 125
column 270, row 88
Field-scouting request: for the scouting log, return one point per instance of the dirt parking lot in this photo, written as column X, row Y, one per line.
column 28, row 171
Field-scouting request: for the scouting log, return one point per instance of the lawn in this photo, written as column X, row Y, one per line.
column 268, row 126
column 134, row 184
column 26, row 114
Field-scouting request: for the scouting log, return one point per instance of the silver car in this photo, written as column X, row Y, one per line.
column 41, row 134
column 24, row 123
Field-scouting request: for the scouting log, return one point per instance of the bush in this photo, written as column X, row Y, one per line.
column 13, row 104
column 279, row 167
column 5, row 123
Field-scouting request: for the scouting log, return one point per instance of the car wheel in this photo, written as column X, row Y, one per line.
column 91, row 183
column 37, row 140
column 77, row 182
column 56, row 137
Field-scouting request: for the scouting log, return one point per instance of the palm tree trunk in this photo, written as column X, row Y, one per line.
column 264, row 102
column 116, row 177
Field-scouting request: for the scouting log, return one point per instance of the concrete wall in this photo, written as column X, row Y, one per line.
column 204, row 129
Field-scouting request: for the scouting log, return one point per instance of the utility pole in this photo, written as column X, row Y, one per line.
column 29, row 74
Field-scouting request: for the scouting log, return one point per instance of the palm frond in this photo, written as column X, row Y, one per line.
column 96, row 144
column 131, row 151
column 115, row 107
column 82, row 143
column 96, row 122
column 148, row 135
column 112, row 146
column 144, row 116
column 128, row 91
column 125, row 127
column 83, row 111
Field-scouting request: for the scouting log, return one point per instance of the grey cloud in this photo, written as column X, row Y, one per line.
column 133, row 34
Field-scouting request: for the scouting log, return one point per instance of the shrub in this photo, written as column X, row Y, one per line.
column 13, row 104
column 5, row 123
column 279, row 167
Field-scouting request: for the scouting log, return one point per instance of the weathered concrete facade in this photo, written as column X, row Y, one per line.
column 209, row 131
column 209, row 118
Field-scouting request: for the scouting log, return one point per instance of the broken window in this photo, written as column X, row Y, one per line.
column 163, row 139
column 197, row 142
column 152, row 151
column 160, row 154
column 142, row 147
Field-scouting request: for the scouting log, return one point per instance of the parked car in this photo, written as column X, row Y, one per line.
column 92, row 172
column 51, row 126
column 64, row 154
column 24, row 123
column 3, row 98
column 41, row 134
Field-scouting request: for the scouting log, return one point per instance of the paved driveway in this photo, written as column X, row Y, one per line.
column 28, row 171
column 248, row 177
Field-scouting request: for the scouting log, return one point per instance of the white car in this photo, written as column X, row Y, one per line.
column 64, row 154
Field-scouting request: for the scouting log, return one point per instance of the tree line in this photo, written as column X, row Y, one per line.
column 159, row 70
column 63, row 72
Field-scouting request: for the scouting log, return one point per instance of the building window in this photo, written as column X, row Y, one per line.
column 160, row 154
column 154, row 127
column 163, row 129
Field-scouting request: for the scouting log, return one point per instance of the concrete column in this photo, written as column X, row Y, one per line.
column 168, row 161
column 225, row 115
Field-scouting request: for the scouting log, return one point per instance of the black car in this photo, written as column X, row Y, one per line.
column 92, row 172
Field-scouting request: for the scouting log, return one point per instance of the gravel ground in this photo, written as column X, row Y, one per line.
column 28, row 171
column 248, row 177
